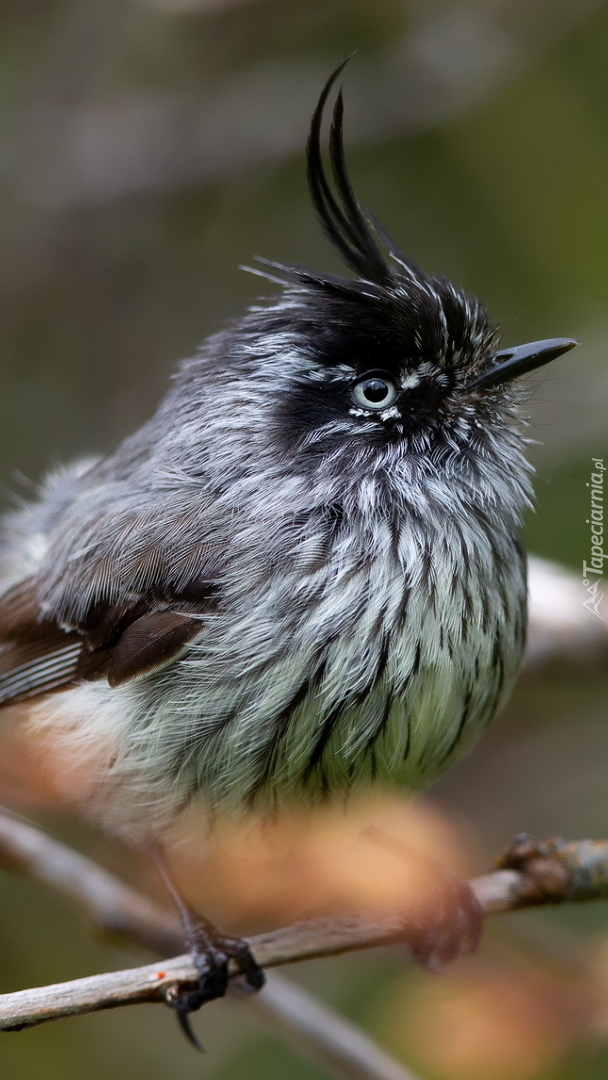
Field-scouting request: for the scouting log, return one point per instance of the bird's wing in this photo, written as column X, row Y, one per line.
column 117, row 641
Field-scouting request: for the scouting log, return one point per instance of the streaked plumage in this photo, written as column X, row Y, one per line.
column 278, row 589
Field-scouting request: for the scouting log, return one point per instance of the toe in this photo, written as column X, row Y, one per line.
column 238, row 950
column 449, row 927
column 211, row 953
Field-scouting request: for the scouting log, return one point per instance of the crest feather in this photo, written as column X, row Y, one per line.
column 355, row 233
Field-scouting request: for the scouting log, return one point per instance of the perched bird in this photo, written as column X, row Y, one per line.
column 304, row 574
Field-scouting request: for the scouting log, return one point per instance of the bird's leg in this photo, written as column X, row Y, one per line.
column 445, row 919
column 210, row 951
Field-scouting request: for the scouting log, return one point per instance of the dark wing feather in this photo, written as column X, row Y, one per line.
column 50, row 671
column 149, row 642
column 36, row 655
column 117, row 641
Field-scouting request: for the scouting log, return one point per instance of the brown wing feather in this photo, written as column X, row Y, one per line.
column 51, row 671
column 20, row 615
column 119, row 641
column 149, row 642
column 36, row 655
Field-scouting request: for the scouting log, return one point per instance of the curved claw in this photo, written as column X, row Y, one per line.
column 182, row 1011
column 239, row 951
column 211, row 952
column 448, row 922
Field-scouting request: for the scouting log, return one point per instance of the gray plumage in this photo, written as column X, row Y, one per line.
column 279, row 589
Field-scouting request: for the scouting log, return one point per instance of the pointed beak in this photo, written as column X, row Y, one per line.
column 509, row 364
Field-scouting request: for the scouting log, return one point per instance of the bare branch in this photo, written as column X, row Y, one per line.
column 531, row 873
column 99, row 896
column 320, row 1034
column 314, row 1029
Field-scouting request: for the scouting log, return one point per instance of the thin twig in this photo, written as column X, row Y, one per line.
column 314, row 1029
column 99, row 896
column 560, row 627
column 531, row 873
column 322, row 1035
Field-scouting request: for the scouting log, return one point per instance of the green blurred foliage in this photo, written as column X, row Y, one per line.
column 149, row 147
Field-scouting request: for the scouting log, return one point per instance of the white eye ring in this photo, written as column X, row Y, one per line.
column 375, row 390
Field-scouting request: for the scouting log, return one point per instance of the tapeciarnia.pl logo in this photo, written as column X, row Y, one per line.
column 592, row 571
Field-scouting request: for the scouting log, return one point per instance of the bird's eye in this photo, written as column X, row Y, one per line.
column 375, row 390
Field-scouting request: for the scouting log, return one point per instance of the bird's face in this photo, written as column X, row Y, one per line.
column 390, row 371
column 394, row 360
column 406, row 368
column 383, row 367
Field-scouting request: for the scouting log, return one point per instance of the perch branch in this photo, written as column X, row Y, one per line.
column 315, row 1030
column 529, row 873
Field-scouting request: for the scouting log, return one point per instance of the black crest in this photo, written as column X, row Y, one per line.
column 361, row 241
column 397, row 304
column 352, row 229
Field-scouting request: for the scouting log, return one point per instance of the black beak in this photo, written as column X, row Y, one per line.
column 511, row 363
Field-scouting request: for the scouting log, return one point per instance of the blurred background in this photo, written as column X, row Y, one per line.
column 147, row 148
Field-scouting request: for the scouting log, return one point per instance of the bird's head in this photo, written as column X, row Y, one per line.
column 392, row 357
column 391, row 370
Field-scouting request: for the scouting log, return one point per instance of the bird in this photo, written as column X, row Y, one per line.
column 304, row 575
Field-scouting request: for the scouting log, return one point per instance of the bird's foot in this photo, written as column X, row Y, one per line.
column 447, row 924
column 211, row 953
column 444, row 918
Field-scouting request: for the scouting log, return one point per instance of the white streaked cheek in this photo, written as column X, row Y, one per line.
column 410, row 381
